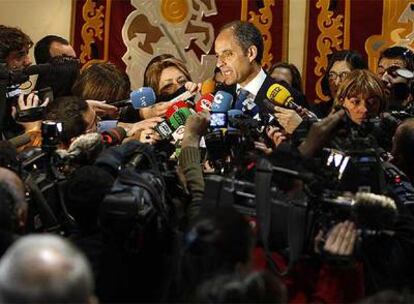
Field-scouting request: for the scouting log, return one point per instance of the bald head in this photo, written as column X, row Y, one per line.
column 45, row 269
column 12, row 199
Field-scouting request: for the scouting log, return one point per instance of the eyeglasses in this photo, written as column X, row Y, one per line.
column 332, row 76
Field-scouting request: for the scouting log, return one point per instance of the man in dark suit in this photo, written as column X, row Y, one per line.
column 239, row 50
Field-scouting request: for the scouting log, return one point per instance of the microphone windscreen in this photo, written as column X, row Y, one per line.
column 204, row 103
column 222, row 102
column 38, row 69
column 179, row 118
column 279, row 94
column 373, row 211
column 232, row 114
column 86, row 143
column 208, row 86
column 174, row 108
column 143, row 97
column 114, row 136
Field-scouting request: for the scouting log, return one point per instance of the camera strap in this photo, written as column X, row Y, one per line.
column 296, row 220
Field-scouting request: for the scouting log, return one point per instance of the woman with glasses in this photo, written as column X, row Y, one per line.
column 340, row 64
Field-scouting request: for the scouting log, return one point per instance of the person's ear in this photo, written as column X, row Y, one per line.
column 252, row 53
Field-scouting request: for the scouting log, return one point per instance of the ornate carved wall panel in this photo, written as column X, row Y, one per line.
column 334, row 25
column 131, row 32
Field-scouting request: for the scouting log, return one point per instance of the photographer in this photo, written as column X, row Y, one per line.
column 392, row 61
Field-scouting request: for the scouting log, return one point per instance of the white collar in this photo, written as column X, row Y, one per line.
column 255, row 84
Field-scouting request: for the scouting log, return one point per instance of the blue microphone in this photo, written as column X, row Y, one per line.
column 232, row 115
column 106, row 125
column 141, row 98
column 221, row 104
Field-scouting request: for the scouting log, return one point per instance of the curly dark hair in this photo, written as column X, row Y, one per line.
column 12, row 39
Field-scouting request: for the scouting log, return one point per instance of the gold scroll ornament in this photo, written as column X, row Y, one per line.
column 397, row 29
column 92, row 28
column 174, row 11
column 330, row 37
column 263, row 21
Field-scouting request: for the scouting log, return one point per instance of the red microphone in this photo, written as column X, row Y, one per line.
column 204, row 103
column 174, row 108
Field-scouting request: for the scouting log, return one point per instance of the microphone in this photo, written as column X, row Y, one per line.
column 233, row 115
column 38, row 69
column 204, row 103
column 141, row 98
column 179, row 116
column 374, row 212
column 208, row 86
column 281, row 96
column 222, row 102
column 113, row 136
column 86, row 145
column 106, row 125
column 164, row 130
column 174, row 108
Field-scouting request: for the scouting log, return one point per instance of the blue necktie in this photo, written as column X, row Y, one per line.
column 241, row 97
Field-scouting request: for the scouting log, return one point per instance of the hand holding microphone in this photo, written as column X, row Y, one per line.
column 288, row 119
column 281, row 96
column 101, row 108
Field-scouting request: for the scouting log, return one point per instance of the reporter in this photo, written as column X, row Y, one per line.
column 340, row 64
column 166, row 74
column 101, row 83
column 362, row 94
column 288, row 119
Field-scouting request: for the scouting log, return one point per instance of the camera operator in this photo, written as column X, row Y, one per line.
column 14, row 48
column 51, row 46
column 398, row 86
column 14, row 55
column 78, row 118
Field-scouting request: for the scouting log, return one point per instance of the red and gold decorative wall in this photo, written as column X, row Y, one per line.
column 131, row 32
column 368, row 26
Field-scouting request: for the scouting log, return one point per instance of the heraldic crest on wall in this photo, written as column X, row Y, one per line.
column 169, row 26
